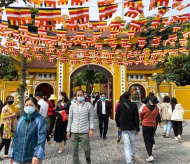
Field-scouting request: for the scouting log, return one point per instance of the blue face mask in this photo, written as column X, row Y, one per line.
column 80, row 99
column 74, row 101
column 29, row 109
column 103, row 98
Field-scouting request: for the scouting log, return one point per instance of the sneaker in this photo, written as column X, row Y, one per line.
column 1, row 159
column 167, row 137
column 154, row 147
column 133, row 159
column 164, row 134
column 88, row 160
column 149, row 159
column 6, row 156
column 119, row 139
column 176, row 138
column 179, row 138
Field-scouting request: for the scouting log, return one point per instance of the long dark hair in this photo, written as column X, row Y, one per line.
column 121, row 98
column 154, row 100
column 166, row 99
column 144, row 101
column 173, row 102
column 65, row 98
column 7, row 98
column 33, row 99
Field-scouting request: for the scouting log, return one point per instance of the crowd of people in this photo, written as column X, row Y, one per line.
column 128, row 119
column 74, row 119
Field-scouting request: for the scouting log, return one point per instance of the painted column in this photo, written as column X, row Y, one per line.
column 60, row 78
column 122, row 78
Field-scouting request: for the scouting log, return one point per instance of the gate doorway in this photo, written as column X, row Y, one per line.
column 137, row 92
column 101, row 69
column 46, row 90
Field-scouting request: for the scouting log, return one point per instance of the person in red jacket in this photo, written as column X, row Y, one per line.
column 148, row 117
column 51, row 109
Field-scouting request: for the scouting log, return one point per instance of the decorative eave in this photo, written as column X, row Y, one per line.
column 35, row 65
column 141, row 68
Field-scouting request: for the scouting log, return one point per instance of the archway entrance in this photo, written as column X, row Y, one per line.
column 103, row 70
column 46, row 90
column 138, row 92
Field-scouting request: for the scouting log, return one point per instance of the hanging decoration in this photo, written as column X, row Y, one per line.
column 83, row 41
column 106, row 11
column 78, row 2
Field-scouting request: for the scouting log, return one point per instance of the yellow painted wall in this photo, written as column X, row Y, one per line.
column 8, row 87
column 96, row 87
column 181, row 93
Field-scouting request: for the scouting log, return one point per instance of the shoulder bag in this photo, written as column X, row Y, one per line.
column 148, row 116
column 128, row 107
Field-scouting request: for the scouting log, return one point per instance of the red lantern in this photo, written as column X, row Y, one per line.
column 105, row 85
column 91, row 86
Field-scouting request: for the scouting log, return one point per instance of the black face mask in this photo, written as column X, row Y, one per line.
column 10, row 102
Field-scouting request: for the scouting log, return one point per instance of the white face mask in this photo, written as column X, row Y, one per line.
column 60, row 97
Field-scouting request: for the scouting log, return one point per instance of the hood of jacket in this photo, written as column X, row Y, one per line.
column 178, row 106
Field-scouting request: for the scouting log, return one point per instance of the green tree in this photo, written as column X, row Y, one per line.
column 179, row 69
column 158, row 79
column 7, row 69
column 88, row 77
column 165, row 76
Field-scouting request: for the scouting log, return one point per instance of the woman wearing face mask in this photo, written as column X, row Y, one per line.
column 30, row 136
column 6, row 116
column 51, row 110
column 61, row 125
column 74, row 100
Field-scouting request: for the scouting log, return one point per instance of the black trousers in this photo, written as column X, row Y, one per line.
column 47, row 136
column 154, row 133
column 148, row 135
column 6, row 143
column 52, row 123
column 177, row 127
column 103, row 120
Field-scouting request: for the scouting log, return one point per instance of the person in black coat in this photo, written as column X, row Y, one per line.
column 61, row 126
column 127, row 120
column 103, row 112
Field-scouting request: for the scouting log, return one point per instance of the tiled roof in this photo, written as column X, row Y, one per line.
column 89, row 34
column 38, row 64
column 140, row 67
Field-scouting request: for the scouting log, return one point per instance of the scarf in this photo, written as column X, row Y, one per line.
column 30, row 117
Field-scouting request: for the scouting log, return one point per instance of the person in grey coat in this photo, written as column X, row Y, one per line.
column 80, row 126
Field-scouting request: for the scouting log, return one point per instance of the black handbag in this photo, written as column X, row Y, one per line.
column 2, row 129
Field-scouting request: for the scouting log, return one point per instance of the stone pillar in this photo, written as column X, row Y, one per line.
column 122, row 78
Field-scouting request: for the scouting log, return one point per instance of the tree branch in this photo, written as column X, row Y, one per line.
column 3, row 3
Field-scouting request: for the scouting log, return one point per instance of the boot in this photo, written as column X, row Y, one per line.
column 88, row 160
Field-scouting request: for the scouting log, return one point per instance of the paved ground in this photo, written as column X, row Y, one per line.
column 110, row 152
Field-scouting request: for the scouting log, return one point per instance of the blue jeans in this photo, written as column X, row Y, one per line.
column 129, row 139
column 167, row 127
column 119, row 133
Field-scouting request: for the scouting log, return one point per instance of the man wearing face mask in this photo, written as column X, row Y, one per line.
column 103, row 112
column 43, row 105
column 80, row 126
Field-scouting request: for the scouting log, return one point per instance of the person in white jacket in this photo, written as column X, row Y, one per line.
column 176, row 112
